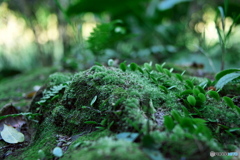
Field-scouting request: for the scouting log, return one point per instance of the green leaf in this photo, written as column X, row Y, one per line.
column 148, row 67
column 186, row 112
column 20, row 114
column 214, row 95
column 176, row 115
column 192, row 100
column 159, row 68
column 186, row 92
column 140, row 70
column 168, row 123
column 123, row 66
column 229, row 102
column 163, row 88
column 133, row 66
column 196, row 92
column 90, row 122
column 11, row 135
column 148, row 141
column 201, row 89
column 179, row 77
column 202, row 97
column 189, row 83
column 226, row 79
column 93, row 100
column 225, row 72
column 234, row 129
column 167, row 72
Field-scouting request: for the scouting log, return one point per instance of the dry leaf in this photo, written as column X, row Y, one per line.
column 11, row 135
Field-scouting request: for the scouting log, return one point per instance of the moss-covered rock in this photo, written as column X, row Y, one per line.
column 92, row 107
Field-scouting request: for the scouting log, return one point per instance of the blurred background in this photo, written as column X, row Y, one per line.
column 74, row 34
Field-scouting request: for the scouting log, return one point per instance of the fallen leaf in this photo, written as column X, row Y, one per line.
column 17, row 122
column 11, row 135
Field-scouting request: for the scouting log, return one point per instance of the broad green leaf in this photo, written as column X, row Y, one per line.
column 148, row 67
column 196, row 92
column 229, row 102
column 223, row 73
column 192, row 100
column 123, row 66
column 202, row 97
column 186, row 92
column 133, row 66
column 168, row 123
column 214, row 95
column 189, row 83
column 11, row 135
column 226, row 79
column 163, row 88
column 179, row 77
column 167, row 72
column 159, row 68
column 176, row 115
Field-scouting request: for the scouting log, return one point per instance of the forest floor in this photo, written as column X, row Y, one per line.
column 127, row 112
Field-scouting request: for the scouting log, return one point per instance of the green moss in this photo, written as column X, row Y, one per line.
column 58, row 78
column 106, row 148
column 13, row 89
column 128, row 101
column 45, row 140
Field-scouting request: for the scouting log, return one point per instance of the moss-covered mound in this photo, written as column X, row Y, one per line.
column 129, row 113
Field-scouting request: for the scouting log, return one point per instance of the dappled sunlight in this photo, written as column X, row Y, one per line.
column 13, row 31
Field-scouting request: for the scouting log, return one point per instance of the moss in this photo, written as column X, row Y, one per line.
column 15, row 88
column 107, row 148
column 125, row 102
column 58, row 78
column 45, row 139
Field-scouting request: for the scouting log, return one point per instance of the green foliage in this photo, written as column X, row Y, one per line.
column 192, row 100
column 229, row 102
column 168, row 123
column 52, row 92
column 214, row 95
column 106, row 35
column 133, row 66
column 226, row 76
column 123, row 66
column 27, row 114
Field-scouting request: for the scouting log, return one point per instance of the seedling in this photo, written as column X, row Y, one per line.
column 123, row 66
column 192, row 100
column 214, row 95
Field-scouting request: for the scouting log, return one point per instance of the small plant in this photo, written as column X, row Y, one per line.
column 214, row 95
column 224, row 35
column 192, row 100
column 52, row 92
